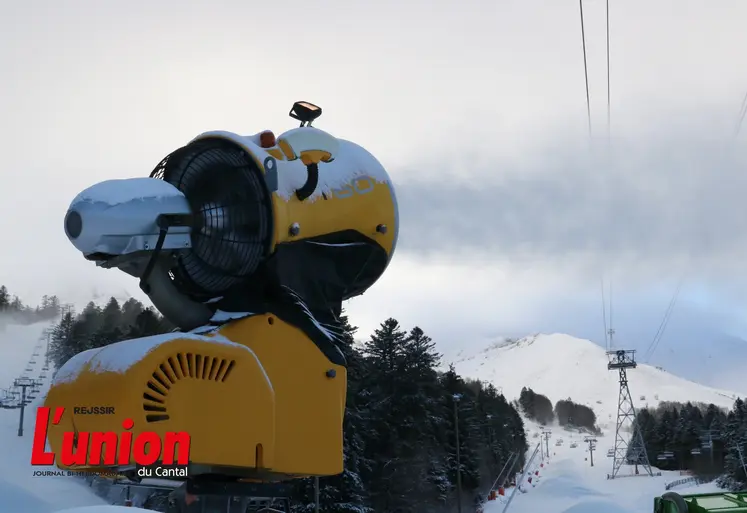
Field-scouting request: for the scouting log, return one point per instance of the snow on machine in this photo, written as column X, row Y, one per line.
column 249, row 244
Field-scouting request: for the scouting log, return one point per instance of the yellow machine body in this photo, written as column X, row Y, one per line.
column 285, row 227
column 354, row 191
column 257, row 397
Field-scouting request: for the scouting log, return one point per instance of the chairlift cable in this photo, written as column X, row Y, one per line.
column 586, row 67
column 609, row 123
column 604, row 317
column 742, row 115
column 664, row 322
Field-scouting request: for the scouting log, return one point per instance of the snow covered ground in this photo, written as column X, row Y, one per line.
column 20, row 490
column 567, row 483
column 561, row 367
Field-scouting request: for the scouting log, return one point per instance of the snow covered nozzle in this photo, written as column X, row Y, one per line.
column 120, row 217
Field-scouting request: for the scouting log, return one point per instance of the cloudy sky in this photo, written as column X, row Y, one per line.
column 511, row 216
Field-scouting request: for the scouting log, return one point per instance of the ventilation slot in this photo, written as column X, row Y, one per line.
column 175, row 368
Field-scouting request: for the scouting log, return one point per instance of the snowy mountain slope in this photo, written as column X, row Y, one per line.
column 20, row 489
column 17, row 345
column 560, row 366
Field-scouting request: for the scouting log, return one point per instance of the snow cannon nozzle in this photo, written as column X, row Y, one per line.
column 305, row 112
column 120, row 218
column 227, row 213
column 73, row 224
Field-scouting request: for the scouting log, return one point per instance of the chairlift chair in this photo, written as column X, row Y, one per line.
column 665, row 456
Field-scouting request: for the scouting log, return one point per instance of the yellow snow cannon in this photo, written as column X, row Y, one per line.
column 249, row 245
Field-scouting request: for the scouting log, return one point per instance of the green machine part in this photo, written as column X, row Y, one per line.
column 730, row 502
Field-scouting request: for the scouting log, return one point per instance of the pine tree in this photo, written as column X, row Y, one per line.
column 147, row 324
column 111, row 314
column 54, row 306
column 419, row 416
column 385, row 346
column 383, row 353
column 16, row 304
column 4, row 298
column 459, row 408
column 345, row 493
column 130, row 311
column 62, row 346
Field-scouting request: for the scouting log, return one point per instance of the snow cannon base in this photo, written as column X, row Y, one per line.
column 257, row 397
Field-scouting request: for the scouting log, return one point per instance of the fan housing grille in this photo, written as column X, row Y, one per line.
column 232, row 215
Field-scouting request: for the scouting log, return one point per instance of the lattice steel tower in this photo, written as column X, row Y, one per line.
column 634, row 451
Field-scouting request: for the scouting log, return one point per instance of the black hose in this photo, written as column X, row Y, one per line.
column 679, row 502
column 312, row 180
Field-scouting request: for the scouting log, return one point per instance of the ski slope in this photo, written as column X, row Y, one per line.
column 568, row 484
column 561, row 367
column 20, row 491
